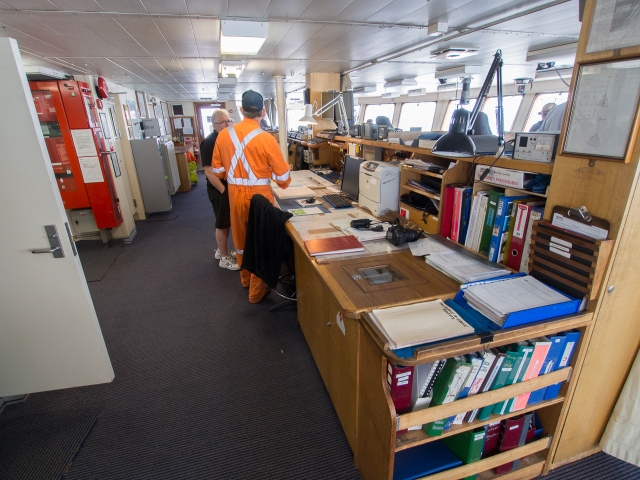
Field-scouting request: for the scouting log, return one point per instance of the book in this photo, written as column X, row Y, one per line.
column 447, row 211
column 400, row 381
column 333, row 245
column 465, row 206
column 540, row 349
column 553, row 356
column 500, row 223
column 467, row 446
column 446, row 389
column 569, row 347
column 482, row 213
column 488, row 383
column 425, row 322
column 473, row 217
column 536, row 214
column 477, row 361
column 488, row 359
column 487, row 229
column 421, row 460
column 455, row 214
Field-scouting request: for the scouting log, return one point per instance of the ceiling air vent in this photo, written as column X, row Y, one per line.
column 453, row 53
column 35, row 72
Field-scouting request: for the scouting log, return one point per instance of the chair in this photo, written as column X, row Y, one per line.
column 382, row 120
column 268, row 247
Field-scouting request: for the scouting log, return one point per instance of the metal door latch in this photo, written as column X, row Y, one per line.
column 54, row 243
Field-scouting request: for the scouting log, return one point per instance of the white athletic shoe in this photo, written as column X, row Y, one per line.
column 229, row 262
column 218, row 255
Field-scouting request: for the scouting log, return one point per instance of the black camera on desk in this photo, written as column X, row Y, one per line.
column 398, row 235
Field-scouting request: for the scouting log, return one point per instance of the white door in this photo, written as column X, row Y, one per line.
column 49, row 332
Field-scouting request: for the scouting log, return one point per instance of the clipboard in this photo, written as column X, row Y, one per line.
column 592, row 225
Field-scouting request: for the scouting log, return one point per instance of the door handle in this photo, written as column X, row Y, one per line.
column 55, row 248
column 45, row 250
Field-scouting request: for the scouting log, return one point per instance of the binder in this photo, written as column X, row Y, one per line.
column 500, row 381
column 492, row 439
column 482, row 214
column 510, row 439
column 522, row 356
column 516, row 247
column 447, row 211
column 467, row 446
column 446, row 389
column 487, row 360
column 529, row 202
column 455, row 216
column 476, row 362
column 465, row 205
column 426, row 459
column 488, row 382
column 501, row 223
column 540, row 351
column 569, row 347
column 487, row 229
column 536, row 214
column 425, row 376
column 400, row 381
column 553, row 356
column 473, row 219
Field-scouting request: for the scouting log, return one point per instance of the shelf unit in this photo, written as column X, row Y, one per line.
column 378, row 422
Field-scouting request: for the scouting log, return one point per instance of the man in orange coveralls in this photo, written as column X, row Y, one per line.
column 250, row 158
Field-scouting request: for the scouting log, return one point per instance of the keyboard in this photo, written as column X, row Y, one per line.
column 336, row 201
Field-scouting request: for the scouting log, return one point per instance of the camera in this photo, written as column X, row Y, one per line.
column 398, row 235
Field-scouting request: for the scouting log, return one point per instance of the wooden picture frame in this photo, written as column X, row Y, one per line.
column 615, row 25
column 127, row 115
column 142, row 104
column 601, row 121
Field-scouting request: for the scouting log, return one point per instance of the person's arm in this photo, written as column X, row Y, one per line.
column 280, row 169
column 215, row 181
column 217, row 169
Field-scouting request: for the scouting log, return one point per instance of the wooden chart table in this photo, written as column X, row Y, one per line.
column 351, row 356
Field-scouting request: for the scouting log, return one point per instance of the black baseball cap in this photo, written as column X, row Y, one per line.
column 252, row 102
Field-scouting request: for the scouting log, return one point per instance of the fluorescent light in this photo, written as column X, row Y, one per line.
column 559, row 54
column 437, row 28
column 308, row 115
column 565, row 72
column 230, row 69
column 365, row 89
column 402, row 82
column 417, row 92
column 242, row 38
column 459, row 71
column 387, row 95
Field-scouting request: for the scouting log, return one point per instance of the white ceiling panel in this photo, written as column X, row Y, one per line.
column 178, row 32
column 324, row 9
column 358, row 10
column 277, row 30
column 291, row 41
column 74, row 30
column 353, row 36
column 207, row 34
column 27, row 25
column 122, row 6
column 31, row 4
column 396, row 10
column 146, row 32
column 175, row 7
column 279, row 9
column 381, row 41
column 322, row 38
column 562, row 20
column 247, row 8
column 400, row 41
column 437, row 10
column 207, row 7
column 78, row 5
column 112, row 32
column 33, row 44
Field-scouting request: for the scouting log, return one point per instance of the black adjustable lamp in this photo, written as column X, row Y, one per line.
column 457, row 142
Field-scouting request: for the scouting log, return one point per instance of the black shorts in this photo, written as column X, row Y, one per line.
column 220, row 202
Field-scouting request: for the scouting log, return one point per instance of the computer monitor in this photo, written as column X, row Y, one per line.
column 350, row 184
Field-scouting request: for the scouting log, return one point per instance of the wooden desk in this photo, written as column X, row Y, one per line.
column 351, row 356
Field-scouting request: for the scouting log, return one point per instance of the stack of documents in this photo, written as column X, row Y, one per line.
column 363, row 235
column 292, row 192
column 462, row 268
column 426, row 322
column 496, row 300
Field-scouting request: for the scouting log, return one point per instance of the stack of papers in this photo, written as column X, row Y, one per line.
column 293, row 192
column 362, row 235
column 419, row 323
column 464, row 269
column 496, row 300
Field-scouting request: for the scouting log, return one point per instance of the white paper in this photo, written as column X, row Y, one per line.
column 616, row 24
column 579, row 227
column 426, row 246
column 187, row 130
column 462, row 268
column 91, row 171
column 351, row 149
column 333, row 189
column 305, row 211
column 83, row 142
column 309, row 179
column 186, row 122
column 293, row 192
column 177, row 123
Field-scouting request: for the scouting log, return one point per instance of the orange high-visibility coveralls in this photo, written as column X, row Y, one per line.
column 250, row 158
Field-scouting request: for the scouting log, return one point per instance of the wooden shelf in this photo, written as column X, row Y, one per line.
column 414, row 438
column 530, row 449
column 480, row 400
column 421, row 192
column 421, row 172
column 530, row 467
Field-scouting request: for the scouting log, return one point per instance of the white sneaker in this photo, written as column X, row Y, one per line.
column 229, row 262
column 218, row 255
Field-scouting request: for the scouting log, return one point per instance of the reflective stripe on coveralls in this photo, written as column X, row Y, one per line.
column 239, row 155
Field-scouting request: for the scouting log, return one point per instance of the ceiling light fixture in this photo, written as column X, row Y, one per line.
column 453, row 53
column 242, row 38
column 459, row 71
column 417, row 92
column 436, row 29
column 402, row 82
column 561, row 53
column 230, row 68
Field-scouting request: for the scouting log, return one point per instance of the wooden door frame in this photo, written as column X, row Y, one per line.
column 197, row 106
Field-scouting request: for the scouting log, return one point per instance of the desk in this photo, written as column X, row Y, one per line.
column 351, row 356
column 183, row 169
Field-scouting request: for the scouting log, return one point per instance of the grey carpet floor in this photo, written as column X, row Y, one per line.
column 206, row 384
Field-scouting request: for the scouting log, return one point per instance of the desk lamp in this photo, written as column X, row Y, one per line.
column 457, row 142
column 342, row 111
